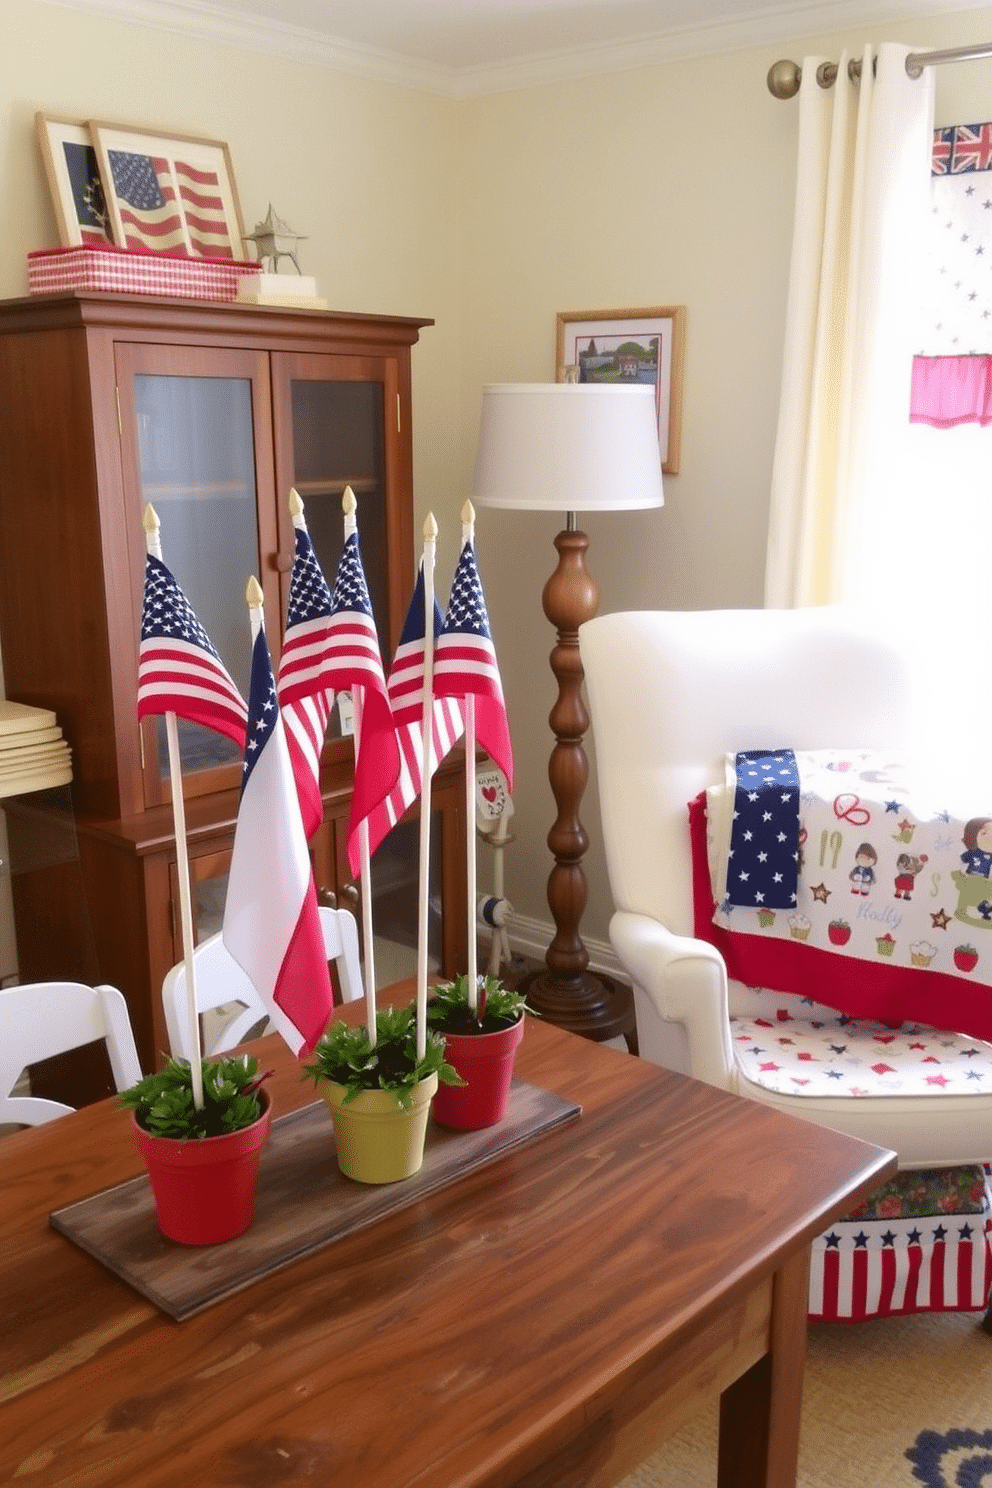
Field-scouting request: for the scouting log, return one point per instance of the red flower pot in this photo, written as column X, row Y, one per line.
column 485, row 1062
column 205, row 1189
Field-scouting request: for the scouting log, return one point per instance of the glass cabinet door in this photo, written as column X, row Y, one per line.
column 199, row 444
column 335, row 417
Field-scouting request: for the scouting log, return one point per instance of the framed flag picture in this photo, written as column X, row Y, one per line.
column 630, row 346
column 170, row 193
column 73, row 174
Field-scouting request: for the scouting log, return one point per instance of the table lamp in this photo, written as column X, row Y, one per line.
column 570, row 447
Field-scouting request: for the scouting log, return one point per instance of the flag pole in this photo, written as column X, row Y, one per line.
column 349, row 506
column 255, row 599
column 153, row 545
column 468, row 535
column 427, row 734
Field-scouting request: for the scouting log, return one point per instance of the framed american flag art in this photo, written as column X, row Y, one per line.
column 630, row 346
column 73, row 175
column 170, row 193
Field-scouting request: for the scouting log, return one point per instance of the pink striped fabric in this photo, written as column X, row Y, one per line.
column 949, row 390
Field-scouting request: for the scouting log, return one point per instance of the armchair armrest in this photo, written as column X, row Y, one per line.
column 684, row 981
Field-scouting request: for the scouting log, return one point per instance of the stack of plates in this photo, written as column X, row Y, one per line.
column 33, row 753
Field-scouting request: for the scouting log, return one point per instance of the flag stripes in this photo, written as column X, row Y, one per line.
column 203, row 205
column 883, row 1268
column 179, row 670
column 465, row 662
column 271, row 921
column 448, row 727
column 147, row 202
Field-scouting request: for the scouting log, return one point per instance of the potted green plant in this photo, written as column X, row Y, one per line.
column 202, row 1161
column 481, row 1041
column 379, row 1096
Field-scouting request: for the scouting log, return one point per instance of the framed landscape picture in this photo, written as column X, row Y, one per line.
column 630, row 346
column 170, row 193
column 73, row 175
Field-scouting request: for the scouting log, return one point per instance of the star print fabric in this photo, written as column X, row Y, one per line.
column 893, row 911
column 764, row 840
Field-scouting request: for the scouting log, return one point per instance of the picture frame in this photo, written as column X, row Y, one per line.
column 170, row 193
column 74, row 180
column 630, row 345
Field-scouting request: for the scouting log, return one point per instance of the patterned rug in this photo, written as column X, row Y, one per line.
column 903, row 1402
column 942, row 1459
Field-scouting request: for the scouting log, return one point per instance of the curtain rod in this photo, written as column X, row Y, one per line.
column 784, row 77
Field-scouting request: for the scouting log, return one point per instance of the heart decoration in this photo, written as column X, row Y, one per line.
column 490, row 793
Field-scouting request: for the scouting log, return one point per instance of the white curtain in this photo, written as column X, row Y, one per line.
column 861, row 202
column 868, row 510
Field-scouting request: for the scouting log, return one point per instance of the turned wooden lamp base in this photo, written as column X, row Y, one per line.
column 593, row 1005
column 566, row 992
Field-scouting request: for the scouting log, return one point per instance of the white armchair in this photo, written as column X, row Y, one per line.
column 671, row 694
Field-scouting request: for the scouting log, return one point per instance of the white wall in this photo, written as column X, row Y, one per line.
column 667, row 185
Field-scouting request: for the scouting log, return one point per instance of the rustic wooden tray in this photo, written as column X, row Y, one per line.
column 303, row 1204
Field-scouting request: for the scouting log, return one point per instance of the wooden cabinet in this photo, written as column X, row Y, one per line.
column 211, row 412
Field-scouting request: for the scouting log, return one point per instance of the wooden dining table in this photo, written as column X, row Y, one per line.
column 546, row 1319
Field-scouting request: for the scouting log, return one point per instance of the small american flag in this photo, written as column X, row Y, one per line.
column 304, row 695
column 763, row 865
column 331, row 646
column 179, row 670
column 406, row 695
column 465, row 662
column 147, row 202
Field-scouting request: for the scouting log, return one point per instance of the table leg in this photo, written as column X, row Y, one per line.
column 760, row 1411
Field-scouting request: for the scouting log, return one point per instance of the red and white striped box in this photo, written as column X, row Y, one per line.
column 921, row 1243
column 122, row 271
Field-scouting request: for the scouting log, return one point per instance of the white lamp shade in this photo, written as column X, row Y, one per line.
column 560, row 446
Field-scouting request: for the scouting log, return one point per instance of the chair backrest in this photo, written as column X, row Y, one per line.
column 42, row 1019
column 220, row 981
column 672, row 692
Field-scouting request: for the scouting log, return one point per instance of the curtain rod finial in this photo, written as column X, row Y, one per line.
column 784, row 78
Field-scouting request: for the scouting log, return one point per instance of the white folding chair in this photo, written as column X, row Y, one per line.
column 220, row 982
column 41, row 1019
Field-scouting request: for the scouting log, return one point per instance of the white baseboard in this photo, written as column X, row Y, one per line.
column 532, row 937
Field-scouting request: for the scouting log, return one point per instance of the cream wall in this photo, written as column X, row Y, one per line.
column 368, row 171
column 671, row 184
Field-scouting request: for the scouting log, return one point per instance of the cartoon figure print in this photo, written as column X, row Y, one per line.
column 977, row 856
column 862, row 875
column 907, row 867
column 974, row 888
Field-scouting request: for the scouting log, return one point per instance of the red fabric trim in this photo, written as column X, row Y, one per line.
column 861, row 989
column 951, row 390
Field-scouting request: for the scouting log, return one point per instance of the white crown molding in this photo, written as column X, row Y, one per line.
column 273, row 38
column 758, row 28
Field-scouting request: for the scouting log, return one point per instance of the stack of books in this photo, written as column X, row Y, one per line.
column 33, row 754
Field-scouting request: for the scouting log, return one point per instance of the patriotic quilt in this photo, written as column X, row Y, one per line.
column 837, row 873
